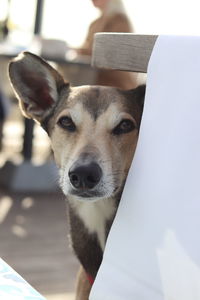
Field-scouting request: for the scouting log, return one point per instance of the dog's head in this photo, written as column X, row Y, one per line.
column 93, row 129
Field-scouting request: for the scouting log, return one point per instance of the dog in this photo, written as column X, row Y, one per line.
column 93, row 132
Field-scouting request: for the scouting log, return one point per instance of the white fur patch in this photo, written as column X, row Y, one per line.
column 95, row 215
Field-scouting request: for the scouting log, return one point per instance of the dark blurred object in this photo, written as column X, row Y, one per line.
column 2, row 110
column 4, row 29
column 3, row 114
column 38, row 16
column 29, row 124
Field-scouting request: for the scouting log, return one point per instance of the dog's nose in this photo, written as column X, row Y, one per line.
column 85, row 176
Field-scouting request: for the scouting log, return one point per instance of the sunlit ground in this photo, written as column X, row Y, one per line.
column 38, row 254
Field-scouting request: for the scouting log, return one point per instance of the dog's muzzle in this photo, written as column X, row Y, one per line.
column 85, row 177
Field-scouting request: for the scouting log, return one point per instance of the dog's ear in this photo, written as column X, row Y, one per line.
column 140, row 95
column 36, row 84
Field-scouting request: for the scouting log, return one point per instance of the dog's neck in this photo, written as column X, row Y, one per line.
column 95, row 215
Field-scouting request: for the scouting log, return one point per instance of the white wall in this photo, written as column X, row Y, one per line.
column 165, row 16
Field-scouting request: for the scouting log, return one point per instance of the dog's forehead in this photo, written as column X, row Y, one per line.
column 94, row 99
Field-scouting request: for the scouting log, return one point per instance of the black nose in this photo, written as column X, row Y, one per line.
column 85, row 176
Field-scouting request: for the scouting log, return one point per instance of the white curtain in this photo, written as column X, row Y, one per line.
column 153, row 250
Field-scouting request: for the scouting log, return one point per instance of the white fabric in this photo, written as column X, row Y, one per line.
column 153, row 250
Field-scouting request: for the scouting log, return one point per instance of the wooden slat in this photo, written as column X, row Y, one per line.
column 122, row 51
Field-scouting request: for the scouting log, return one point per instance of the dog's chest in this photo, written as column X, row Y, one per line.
column 95, row 217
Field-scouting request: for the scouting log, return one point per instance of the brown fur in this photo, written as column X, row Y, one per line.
column 99, row 140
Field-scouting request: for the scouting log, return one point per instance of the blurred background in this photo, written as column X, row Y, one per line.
column 33, row 219
column 69, row 20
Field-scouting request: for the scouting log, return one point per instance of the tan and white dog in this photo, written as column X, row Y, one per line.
column 93, row 132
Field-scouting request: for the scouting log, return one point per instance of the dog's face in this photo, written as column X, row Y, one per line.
column 93, row 135
column 93, row 129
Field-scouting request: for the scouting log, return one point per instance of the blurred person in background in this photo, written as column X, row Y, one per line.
column 113, row 18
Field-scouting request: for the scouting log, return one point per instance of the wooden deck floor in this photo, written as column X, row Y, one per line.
column 33, row 240
column 34, row 227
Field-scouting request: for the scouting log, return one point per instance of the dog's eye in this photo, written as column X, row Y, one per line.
column 67, row 123
column 124, row 126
